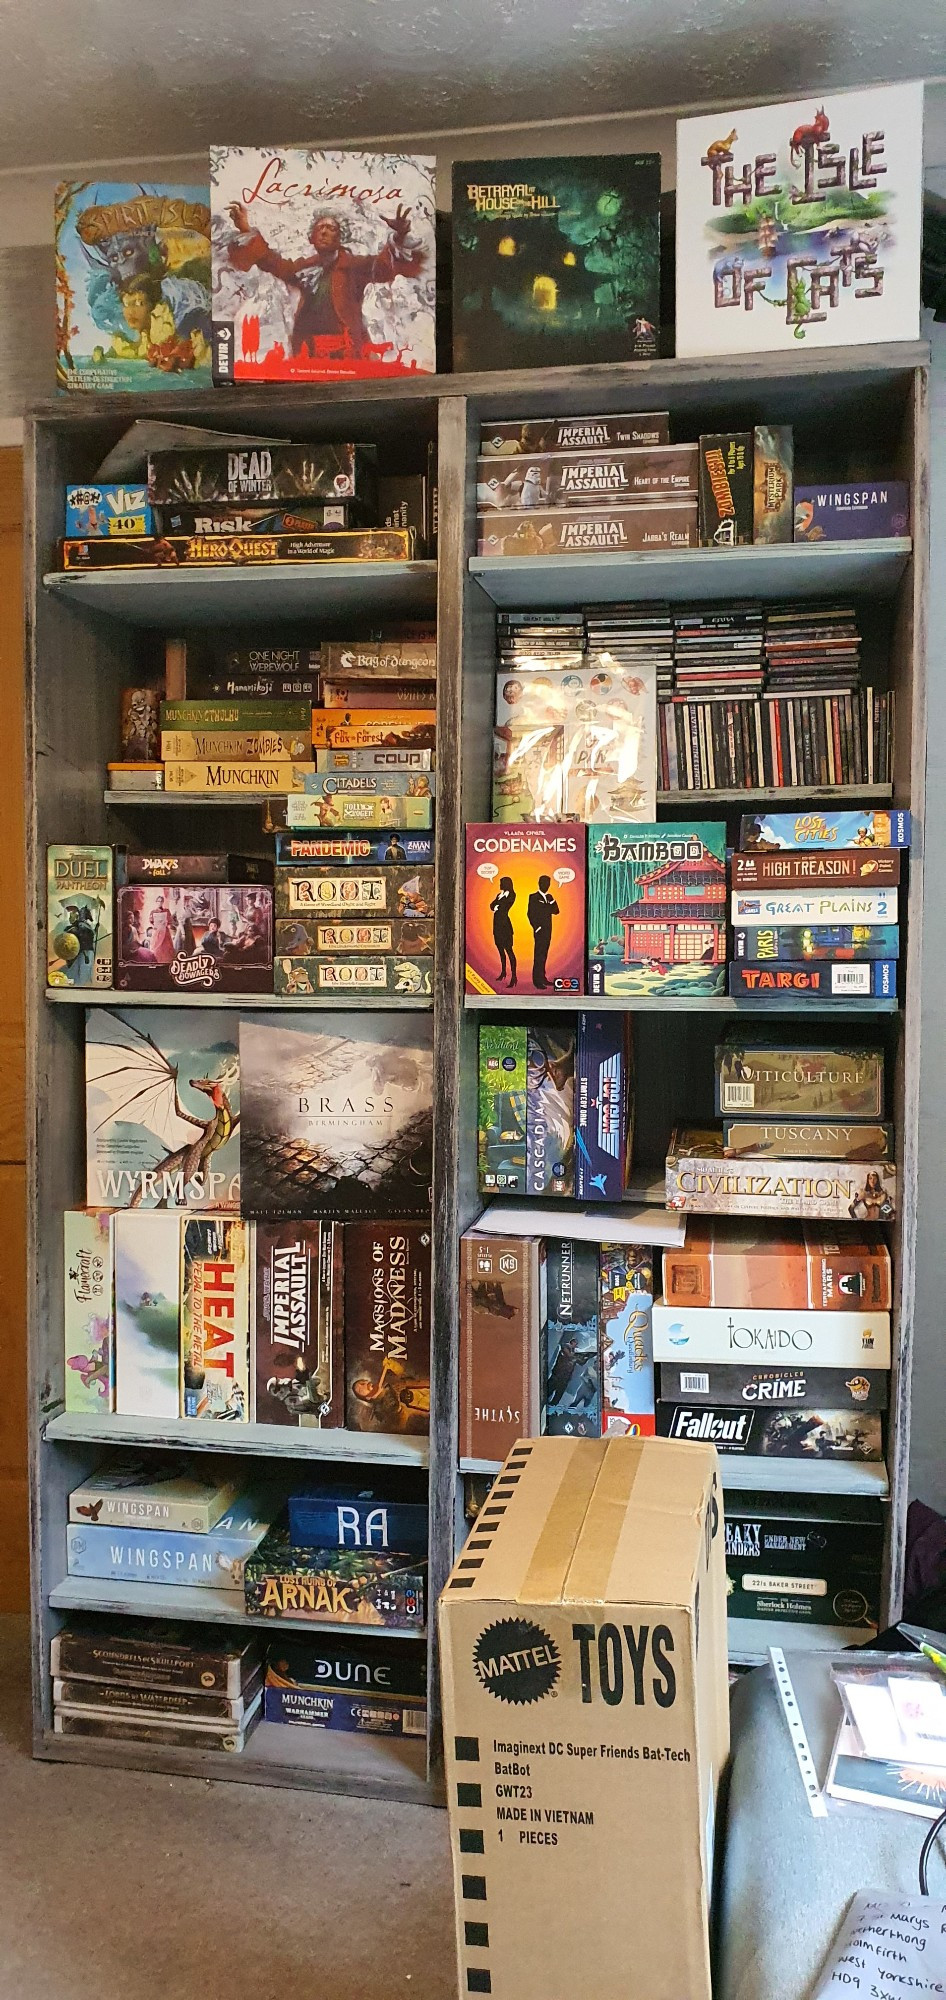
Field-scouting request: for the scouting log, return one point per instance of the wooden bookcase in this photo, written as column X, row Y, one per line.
column 856, row 413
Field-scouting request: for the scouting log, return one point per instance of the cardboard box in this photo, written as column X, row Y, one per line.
column 503, row 1314
column 586, row 1721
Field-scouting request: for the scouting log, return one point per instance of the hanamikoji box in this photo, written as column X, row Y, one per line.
column 583, row 1633
column 503, row 1315
column 79, row 922
column 525, row 909
column 299, row 1324
column 657, row 908
column 323, row 264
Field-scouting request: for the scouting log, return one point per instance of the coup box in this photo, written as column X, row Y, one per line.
column 503, row 1315
column 108, row 509
column 782, row 1079
column 702, row 1180
column 780, row 1386
column 387, row 1327
column 845, row 513
column 299, row 1324
column 378, row 891
column 668, row 524
column 191, row 937
column 334, row 1586
column 593, row 478
column 263, row 472
column 236, row 551
column 79, row 891
column 342, row 1516
column 525, row 909
column 544, row 434
column 568, row 1633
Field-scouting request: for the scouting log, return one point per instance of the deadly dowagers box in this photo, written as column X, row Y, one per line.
column 583, row 1634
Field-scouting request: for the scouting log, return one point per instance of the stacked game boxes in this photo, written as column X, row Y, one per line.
column 355, row 910
column 223, row 747
column 815, row 906
column 746, row 481
column 555, row 1338
column 561, row 486
column 556, row 1107
column 137, row 1526
column 340, row 1556
column 141, row 1681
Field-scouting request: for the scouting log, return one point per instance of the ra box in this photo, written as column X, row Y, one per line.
column 216, row 1254
column 195, row 938
column 132, row 287
column 796, row 869
column 354, row 849
column 625, row 1292
column 133, row 1496
column 799, row 907
column 387, row 1328
column 727, row 489
column 135, row 869
column 802, row 1081
column 773, row 472
column 307, row 937
column 811, row 980
column 258, row 473
column 361, row 1587
column 782, row 1385
column 604, row 1106
column 368, row 892
column 108, row 509
column 348, row 545
column 545, row 434
column 593, row 478
column 299, row 1324
column 503, row 1315
column 79, row 902
column 830, row 1140
column 657, row 908
column 403, row 976
column 525, row 909
column 651, row 524
column 155, row 1555
column 811, row 1434
column 571, row 1367
column 846, row 513
column 153, row 1653
column 89, row 1314
column 804, row 942
column 801, row 1267
column 701, row 1180
column 342, row 1516
column 883, row 826
column 364, row 1714
column 304, row 518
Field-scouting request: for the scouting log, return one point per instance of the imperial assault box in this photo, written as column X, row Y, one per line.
column 785, row 1385
column 108, row 509
column 190, row 937
column 503, row 1316
column 613, row 1685
column 726, row 489
column 666, row 524
column 257, row 473
column 351, row 1684
column 299, row 1325
column 215, row 1318
column 544, row 434
column 525, row 908
column 571, row 1363
column 89, row 1311
column 387, row 1327
column 593, row 478
column 334, row 1586
column 625, row 1303
column 702, row 1180
column 776, row 1079
column 79, row 902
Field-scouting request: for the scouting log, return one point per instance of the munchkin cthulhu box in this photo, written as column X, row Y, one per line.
column 323, row 264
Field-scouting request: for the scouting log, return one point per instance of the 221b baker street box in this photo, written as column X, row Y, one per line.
column 657, row 908
column 525, row 909
column 586, row 1716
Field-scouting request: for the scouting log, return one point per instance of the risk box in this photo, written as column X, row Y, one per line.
column 652, row 524
column 254, row 474
column 299, row 1324
column 625, row 1304
column 816, row 868
column 727, row 481
column 89, row 1314
column 79, row 916
column 604, row 1107
column 594, row 478
column 802, row 1081
column 363, row 892
column 108, row 509
column 215, row 1318
column 773, row 473
column 525, row 908
column 180, row 936
column 571, row 1370
column 503, row 1314
column 227, row 518
column 545, row 434
column 387, row 1327
column 657, row 908
column 346, row 1515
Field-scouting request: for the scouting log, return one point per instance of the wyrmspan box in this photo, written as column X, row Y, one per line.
column 586, row 1718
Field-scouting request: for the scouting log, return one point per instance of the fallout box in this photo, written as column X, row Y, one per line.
column 786, row 1433
column 258, row 473
column 334, row 1586
column 236, row 551
column 585, row 478
column 666, row 524
column 387, row 1327
column 543, row 434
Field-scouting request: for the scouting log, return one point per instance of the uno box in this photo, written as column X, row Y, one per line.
column 108, row 509
column 586, row 1716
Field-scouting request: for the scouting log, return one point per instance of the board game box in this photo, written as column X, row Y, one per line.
column 531, row 880
column 816, row 868
column 584, row 478
column 604, row 1107
column 800, row 223
column 157, row 1555
column 575, row 742
column 353, row 1684
column 88, row 1311
column 798, row 1080
column 236, row 551
column 156, row 1653
column 324, row 264
column 175, row 1706
column 167, row 1732
column 799, row 1266
column 651, row 524
column 382, row 890
column 256, row 746
column 727, row 489
column 147, row 1248
column 788, row 1384
column 626, row 1294
column 657, row 908
column 403, row 977
column 108, row 509
column 136, row 1496
column 503, row 1315
column 344, row 1515
column 336, row 1123
column 800, row 907
column 132, row 287
column 194, row 937
column 156, row 867
column 542, row 434
column 850, row 1339
column 773, row 471
column 300, row 937
column 763, row 833
column 396, row 848
column 299, row 518
column 299, row 1324
column 334, row 1586
column 571, row 1363
column 829, row 1140
column 812, row 1558
column 234, row 776
column 809, row 981
column 162, row 1109
column 382, row 659
column 845, row 513
column 799, row 943
column 215, row 1318
column 556, row 261
column 273, row 473
column 79, row 897
column 387, row 1327
column 701, row 1179
column 228, row 716
column 807, row 1434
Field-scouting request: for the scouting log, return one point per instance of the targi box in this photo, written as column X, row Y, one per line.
column 299, row 1324
column 344, row 1516
column 543, row 434
column 108, row 509
column 189, row 937
column 852, row 513
column 667, row 524
column 571, row 1673
column 810, row 981
column 79, row 897
column 503, row 1314
column 525, row 908
column 784, row 1385
column 702, row 1180
column 336, row 1587
column 89, row 1311
column 387, row 1327
column 798, row 1080
column 259, row 473
column 572, row 1367
column 626, row 1291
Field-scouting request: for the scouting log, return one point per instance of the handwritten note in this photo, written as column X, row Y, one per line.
column 888, row 1947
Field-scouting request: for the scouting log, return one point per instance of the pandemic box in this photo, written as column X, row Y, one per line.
column 525, row 909
column 258, row 473
column 556, row 261
column 88, row 1308
column 626, row 1296
column 354, row 849
column 776, row 1385
column 657, row 908
column 194, row 937
column 702, row 1180
column 299, row 1324
column 814, row 1559
column 570, row 530
column 351, row 1684
column 334, row 1586
column 503, row 1316
column 324, row 264
column 215, row 1318
column 387, row 1327
column 108, row 509
column 571, row 1370
column 593, row 478
column 132, row 287
column 544, row 434
column 852, row 513
column 772, row 1079
column 344, row 1515
column 789, row 1434
column 570, row 1652
column 79, row 899
column 799, row 1266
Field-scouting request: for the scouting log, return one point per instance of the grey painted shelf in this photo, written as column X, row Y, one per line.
column 781, row 795
column 768, row 1475
column 750, row 1638
column 651, row 1003
column 787, row 569
column 327, row 1760
column 190, row 1602
column 247, row 1003
column 280, row 1442
column 168, row 599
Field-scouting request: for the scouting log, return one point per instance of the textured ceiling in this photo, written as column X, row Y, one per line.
column 96, row 80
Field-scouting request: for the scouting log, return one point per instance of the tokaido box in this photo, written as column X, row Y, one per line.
column 740, row 1334
column 584, row 1720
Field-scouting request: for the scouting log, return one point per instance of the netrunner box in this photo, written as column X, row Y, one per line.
column 583, row 1634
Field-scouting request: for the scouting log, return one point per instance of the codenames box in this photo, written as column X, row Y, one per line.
column 583, row 1633
column 525, row 909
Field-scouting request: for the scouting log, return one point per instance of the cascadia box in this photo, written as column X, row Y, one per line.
column 586, row 1718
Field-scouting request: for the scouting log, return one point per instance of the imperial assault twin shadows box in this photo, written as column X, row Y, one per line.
column 583, row 1634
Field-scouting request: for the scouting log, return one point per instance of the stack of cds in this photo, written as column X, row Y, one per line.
column 718, row 652
column 634, row 635
column 524, row 636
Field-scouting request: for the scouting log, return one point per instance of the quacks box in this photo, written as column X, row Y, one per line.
column 525, row 909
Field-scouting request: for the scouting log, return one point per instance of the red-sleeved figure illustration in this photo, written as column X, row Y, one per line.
column 332, row 280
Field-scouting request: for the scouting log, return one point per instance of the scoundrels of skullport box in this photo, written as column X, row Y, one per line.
column 132, row 287
column 556, row 260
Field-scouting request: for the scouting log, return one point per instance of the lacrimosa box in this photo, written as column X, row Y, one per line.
column 586, row 1721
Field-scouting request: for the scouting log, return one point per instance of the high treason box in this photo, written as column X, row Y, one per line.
column 575, row 1665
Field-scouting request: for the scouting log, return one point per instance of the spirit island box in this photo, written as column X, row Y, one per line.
column 799, row 224
column 324, row 265
column 583, row 1634
column 525, row 909
column 132, row 288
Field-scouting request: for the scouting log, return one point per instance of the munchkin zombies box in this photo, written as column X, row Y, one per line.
column 323, row 265
column 800, row 223
column 556, row 261
column 132, row 287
